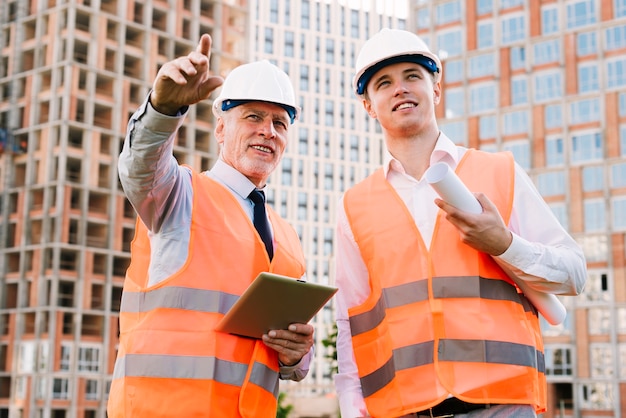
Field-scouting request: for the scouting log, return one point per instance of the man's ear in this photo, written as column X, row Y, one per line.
column 219, row 130
column 437, row 93
column 367, row 105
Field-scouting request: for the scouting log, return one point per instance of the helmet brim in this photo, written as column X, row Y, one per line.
column 423, row 60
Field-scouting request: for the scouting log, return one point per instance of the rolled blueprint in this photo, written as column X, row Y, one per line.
column 452, row 190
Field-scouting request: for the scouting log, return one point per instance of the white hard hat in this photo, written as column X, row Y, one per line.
column 257, row 81
column 390, row 46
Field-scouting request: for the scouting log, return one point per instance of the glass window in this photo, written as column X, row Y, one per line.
column 560, row 212
column 588, row 78
column 60, row 388
column 547, row 51
column 549, row 20
column 274, row 11
column 554, row 152
column 89, row 359
column 507, row 4
column 305, row 12
column 618, row 209
column 518, row 57
column 558, row 361
column 593, row 178
column 456, row 131
column 423, row 18
column 597, row 287
column 521, row 152
column 595, row 215
column 484, row 6
column 330, row 51
column 583, row 111
column 553, row 115
column 482, row 98
column 519, row 91
column 581, row 13
column 616, row 73
column 481, row 65
column 548, row 86
column 66, row 357
column 289, row 44
column 615, row 37
column 618, row 175
column 620, row 8
column 513, row 28
column 515, row 122
column 455, row 102
column 91, row 390
column 586, row 44
column 447, row 12
column 586, row 147
column 450, row 43
column 601, row 354
column 453, row 71
column 551, row 183
column 269, row 40
column 487, row 127
column 485, row 34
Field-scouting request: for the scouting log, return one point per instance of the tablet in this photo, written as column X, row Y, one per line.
column 273, row 301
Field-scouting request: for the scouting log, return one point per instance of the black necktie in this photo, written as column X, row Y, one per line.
column 260, row 220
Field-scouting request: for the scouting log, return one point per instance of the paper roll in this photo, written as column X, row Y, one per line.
column 452, row 190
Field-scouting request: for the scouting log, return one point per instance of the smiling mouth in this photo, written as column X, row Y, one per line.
column 262, row 148
column 405, row 106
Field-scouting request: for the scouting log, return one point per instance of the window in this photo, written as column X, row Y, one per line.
column 548, row 86
column 598, row 323
column 547, row 51
column 274, row 11
column 596, row 395
column 558, row 361
column 581, row 13
column 289, row 44
column 305, row 12
column 455, row 102
column 583, row 111
column 89, row 359
column 484, row 6
column 485, row 34
column 616, row 73
column 553, row 115
column 601, row 357
column 447, row 12
column 513, row 29
column 519, row 91
column 507, row 4
column 551, row 183
column 586, row 44
column 597, row 287
column 620, row 8
column 487, row 127
column 621, row 347
column 586, row 147
column 482, row 98
column 593, row 178
column 60, row 388
column 622, row 108
column 595, row 215
column 588, row 80
column 515, row 123
column 450, row 44
column 615, row 37
column 269, row 40
column 27, row 357
column 618, row 175
column 518, row 57
column 618, row 209
column 91, row 390
column 521, row 152
column 454, row 71
column 456, row 131
column 423, row 18
column 481, row 65
column 549, row 20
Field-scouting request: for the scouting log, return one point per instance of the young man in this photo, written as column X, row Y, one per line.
column 430, row 323
column 196, row 249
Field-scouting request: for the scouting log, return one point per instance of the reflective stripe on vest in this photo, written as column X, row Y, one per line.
column 200, row 300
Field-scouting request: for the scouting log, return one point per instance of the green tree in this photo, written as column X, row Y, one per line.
column 283, row 410
column 330, row 342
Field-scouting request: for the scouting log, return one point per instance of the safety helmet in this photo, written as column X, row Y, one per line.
column 257, row 81
column 390, row 46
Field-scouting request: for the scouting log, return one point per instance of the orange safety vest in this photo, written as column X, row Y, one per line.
column 444, row 320
column 170, row 360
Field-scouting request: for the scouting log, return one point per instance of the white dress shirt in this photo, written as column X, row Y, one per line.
column 542, row 254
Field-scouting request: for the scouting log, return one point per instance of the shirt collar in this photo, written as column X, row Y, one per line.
column 231, row 178
column 445, row 150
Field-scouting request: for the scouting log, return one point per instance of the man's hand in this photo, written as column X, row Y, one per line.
column 291, row 344
column 485, row 232
column 185, row 80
